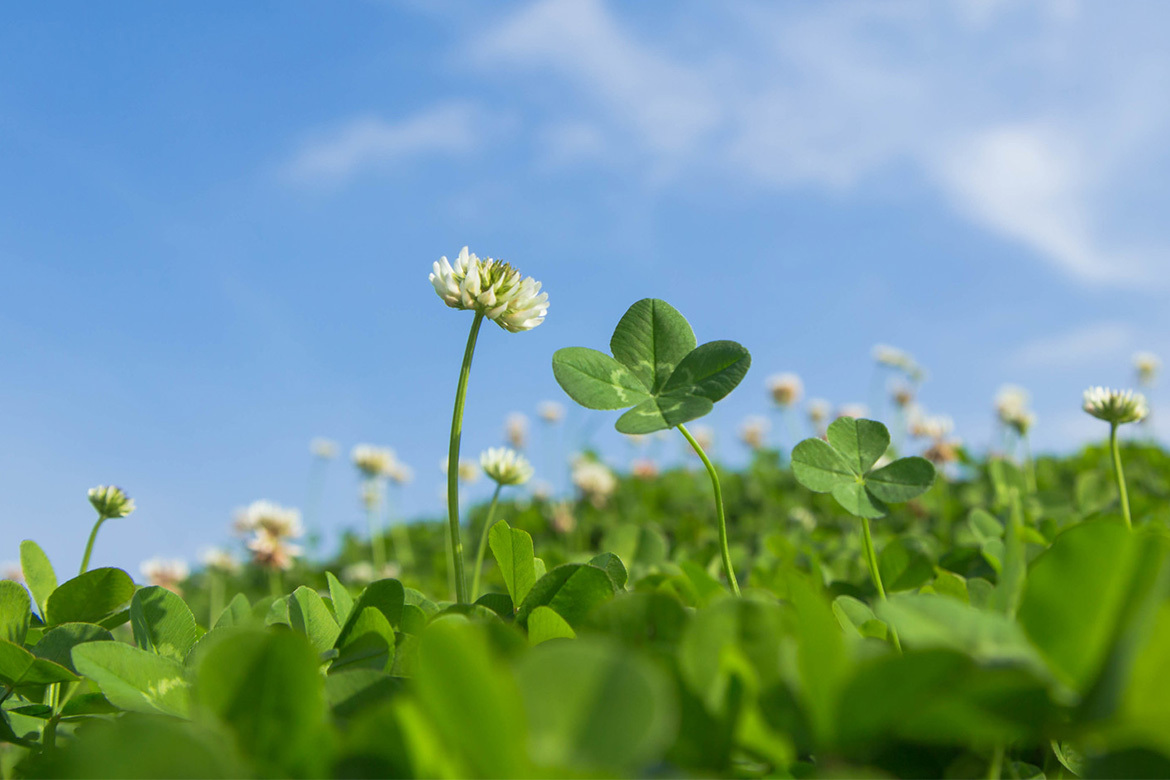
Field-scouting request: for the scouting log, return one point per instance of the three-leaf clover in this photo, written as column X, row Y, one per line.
column 842, row 466
column 655, row 368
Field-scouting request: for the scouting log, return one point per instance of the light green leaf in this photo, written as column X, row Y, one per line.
column 15, row 611
column 57, row 644
column 134, row 679
column 162, row 622
column 238, row 612
column 904, row 564
column 545, row 624
column 342, row 601
column 387, row 596
column 651, row 339
column 571, row 590
column 860, row 442
column 819, row 467
column 308, row 614
column 663, row 412
column 38, row 573
column 902, row 480
column 711, row 371
column 613, row 566
column 857, row 501
column 369, row 643
column 89, row 598
column 19, row 667
column 596, row 380
column 513, row 552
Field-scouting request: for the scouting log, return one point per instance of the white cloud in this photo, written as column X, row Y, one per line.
column 1027, row 117
column 448, row 128
column 1102, row 342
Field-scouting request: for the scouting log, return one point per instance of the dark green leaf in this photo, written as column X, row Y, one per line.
column 57, row 644
column 19, row 667
column 368, row 643
column 651, row 339
column 819, row 467
column 660, row 413
column 15, row 611
column 571, row 590
column 308, row 614
column 902, row 480
column 162, row 622
column 712, row 370
column 596, row 380
column 89, row 597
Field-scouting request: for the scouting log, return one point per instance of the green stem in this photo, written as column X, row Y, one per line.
column 215, row 587
column 89, row 545
column 1120, row 476
column 453, row 464
column 995, row 768
column 377, row 539
column 871, row 559
column 483, row 537
column 274, row 584
column 1029, row 464
column 718, row 508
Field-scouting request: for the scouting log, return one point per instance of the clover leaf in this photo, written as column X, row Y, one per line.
column 842, row 466
column 655, row 368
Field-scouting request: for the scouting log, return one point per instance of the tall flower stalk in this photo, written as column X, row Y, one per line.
column 495, row 290
column 724, row 550
column 109, row 501
column 1117, row 407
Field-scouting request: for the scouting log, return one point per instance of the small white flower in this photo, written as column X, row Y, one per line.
column 516, row 430
column 1147, row 366
column 785, row 389
column 644, row 468
column 110, row 501
column 505, row 466
column 753, row 431
column 166, row 572
column 372, row 461
column 220, row 560
column 491, row 287
column 271, row 551
column 399, row 473
column 1011, row 407
column 856, row 411
column 270, row 518
column 1115, row 406
column 594, row 479
column 550, row 412
column 818, row 410
column 930, row 426
column 324, row 449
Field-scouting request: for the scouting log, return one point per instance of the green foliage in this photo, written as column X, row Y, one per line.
column 38, row 573
column 656, row 368
column 843, row 466
column 162, row 622
column 514, row 555
column 89, row 598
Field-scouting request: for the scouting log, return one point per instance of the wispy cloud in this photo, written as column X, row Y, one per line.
column 370, row 142
column 1099, row 342
column 1027, row 117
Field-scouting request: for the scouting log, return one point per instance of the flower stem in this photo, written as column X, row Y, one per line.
column 1029, row 464
column 995, row 768
column 871, row 559
column 274, row 584
column 377, row 538
column 718, row 508
column 453, row 464
column 216, row 587
column 483, row 538
column 1120, row 476
column 89, row 545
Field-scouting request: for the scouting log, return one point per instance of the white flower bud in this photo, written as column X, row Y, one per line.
column 1115, row 406
column 505, row 466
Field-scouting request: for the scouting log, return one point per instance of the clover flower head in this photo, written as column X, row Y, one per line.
column 110, row 501
column 902, row 395
column 594, row 479
column 492, row 288
column 270, row 518
column 1147, row 365
column 856, row 411
column 516, row 430
column 220, row 560
column 505, row 466
column 322, row 448
column 550, row 412
column 399, row 473
column 943, row 451
column 563, row 519
column 166, row 572
column 785, row 389
column 1010, row 401
column 892, row 357
column 818, row 410
column 932, row 426
column 644, row 468
column 753, row 431
column 372, row 461
column 271, row 551
column 1116, row 406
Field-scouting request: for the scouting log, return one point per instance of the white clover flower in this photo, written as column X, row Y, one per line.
column 166, row 572
column 818, row 410
column 359, row 573
column 270, row 518
column 493, row 288
column 1147, row 366
column 271, row 551
column 856, row 411
column 891, row 356
column 931, row 426
column 324, row 449
column 1011, row 407
column 372, row 461
column 505, row 466
column 1115, row 406
column 516, row 430
column 754, row 430
column 594, row 479
column 785, row 389
column 563, row 519
column 644, row 468
column 468, row 470
column 550, row 412
column 110, row 501
column 902, row 396
column 220, row 560
column 399, row 473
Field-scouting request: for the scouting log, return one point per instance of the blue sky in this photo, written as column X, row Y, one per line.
column 216, row 224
